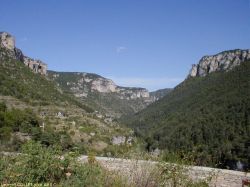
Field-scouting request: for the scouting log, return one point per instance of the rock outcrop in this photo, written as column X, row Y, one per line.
column 133, row 93
column 223, row 61
column 85, row 83
column 103, row 94
column 120, row 140
column 36, row 65
column 7, row 43
column 103, row 85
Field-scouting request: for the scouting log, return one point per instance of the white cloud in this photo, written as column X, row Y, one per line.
column 149, row 83
column 23, row 39
column 120, row 49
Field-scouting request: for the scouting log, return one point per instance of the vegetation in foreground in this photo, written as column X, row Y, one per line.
column 38, row 164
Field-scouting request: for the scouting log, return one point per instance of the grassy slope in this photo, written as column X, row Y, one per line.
column 209, row 115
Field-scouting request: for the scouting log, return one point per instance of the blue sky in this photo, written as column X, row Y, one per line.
column 145, row 43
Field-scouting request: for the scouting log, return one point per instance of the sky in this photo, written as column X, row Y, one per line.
column 142, row 43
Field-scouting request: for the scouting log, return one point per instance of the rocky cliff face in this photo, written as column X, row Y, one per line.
column 223, row 61
column 36, row 65
column 7, row 44
column 82, row 84
column 103, row 85
column 103, row 94
column 7, row 41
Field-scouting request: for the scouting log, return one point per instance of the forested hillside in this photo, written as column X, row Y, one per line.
column 206, row 116
column 19, row 81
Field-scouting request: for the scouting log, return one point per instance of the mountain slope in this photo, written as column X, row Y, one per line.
column 103, row 94
column 207, row 115
column 20, row 82
column 158, row 94
column 34, row 107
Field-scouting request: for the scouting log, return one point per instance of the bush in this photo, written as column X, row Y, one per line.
column 44, row 165
column 5, row 133
column 3, row 107
column 36, row 164
column 85, row 175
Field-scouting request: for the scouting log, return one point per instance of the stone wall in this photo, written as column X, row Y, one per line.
column 219, row 177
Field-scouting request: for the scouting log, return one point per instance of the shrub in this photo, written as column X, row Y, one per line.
column 176, row 175
column 5, row 133
column 43, row 165
column 3, row 107
column 91, row 158
column 84, row 176
column 36, row 164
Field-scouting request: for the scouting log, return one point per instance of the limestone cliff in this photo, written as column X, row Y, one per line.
column 103, row 85
column 36, row 65
column 82, row 84
column 103, row 94
column 7, row 41
column 223, row 61
column 7, row 44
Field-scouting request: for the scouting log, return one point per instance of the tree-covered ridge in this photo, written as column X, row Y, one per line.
column 160, row 93
column 206, row 115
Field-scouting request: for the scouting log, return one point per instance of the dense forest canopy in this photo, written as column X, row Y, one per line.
column 208, row 116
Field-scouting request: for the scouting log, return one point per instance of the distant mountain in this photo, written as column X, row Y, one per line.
column 207, row 115
column 85, row 89
column 158, row 94
column 103, row 94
